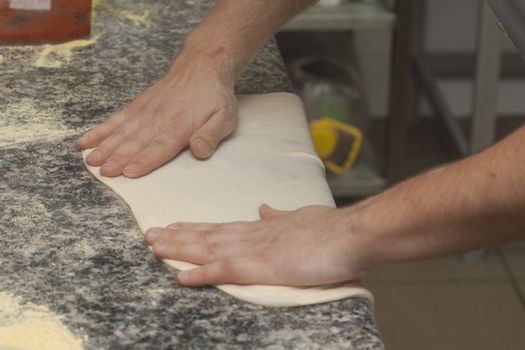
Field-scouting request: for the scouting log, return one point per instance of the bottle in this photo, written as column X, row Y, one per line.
column 43, row 21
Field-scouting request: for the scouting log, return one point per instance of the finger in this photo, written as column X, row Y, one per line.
column 175, row 236
column 195, row 253
column 93, row 137
column 184, row 236
column 198, row 226
column 100, row 154
column 266, row 212
column 204, row 141
column 118, row 160
column 231, row 270
column 157, row 153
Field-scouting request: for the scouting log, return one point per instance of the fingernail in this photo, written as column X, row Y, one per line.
column 106, row 170
column 94, row 155
column 162, row 247
column 203, row 144
column 130, row 168
column 152, row 233
column 173, row 226
column 182, row 275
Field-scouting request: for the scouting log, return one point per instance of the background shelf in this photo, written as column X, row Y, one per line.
column 362, row 180
column 347, row 16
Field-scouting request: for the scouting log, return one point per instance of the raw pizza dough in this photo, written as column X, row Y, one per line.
column 270, row 159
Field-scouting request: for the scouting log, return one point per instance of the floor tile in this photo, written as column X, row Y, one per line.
column 515, row 256
column 450, row 316
column 443, row 269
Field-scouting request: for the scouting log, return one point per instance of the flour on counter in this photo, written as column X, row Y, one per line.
column 54, row 56
column 26, row 326
column 39, row 125
column 136, row 19
column 84, row 249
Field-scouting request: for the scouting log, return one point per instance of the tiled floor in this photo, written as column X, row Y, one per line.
column 450, row 304
column 514, row 256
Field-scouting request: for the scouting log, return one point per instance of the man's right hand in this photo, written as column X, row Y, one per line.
column 192, row 105
column 309, row 246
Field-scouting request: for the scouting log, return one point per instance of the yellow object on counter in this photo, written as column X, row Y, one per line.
column 338, row 144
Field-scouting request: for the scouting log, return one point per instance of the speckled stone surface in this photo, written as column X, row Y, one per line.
column 71, row 244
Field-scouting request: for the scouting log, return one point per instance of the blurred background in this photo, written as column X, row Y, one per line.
column 392, row 90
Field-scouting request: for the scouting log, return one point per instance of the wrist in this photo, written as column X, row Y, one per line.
column 359, row 239
column 212, row 61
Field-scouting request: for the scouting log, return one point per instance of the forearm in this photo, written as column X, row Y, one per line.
column 471, row 204
column 234, row 31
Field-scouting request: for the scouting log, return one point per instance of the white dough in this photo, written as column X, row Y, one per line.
column 270, row 159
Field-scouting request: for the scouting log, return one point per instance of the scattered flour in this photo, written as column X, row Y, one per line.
column 26, row 326
column 54, row 56
column 136, row 19
column 155, row 295
column 39, row 123
column 30, row 132
column 31, row 217
column 85, row 250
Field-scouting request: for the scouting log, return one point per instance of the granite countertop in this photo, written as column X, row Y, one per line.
column 71, row 244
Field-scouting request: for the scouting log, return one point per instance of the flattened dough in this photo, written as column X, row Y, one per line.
column 270, row 159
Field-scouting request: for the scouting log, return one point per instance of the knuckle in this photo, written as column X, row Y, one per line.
column 138, row 105
column 119, row 136
column 230, row 117
column 139, row 162
column 117, row 117
column 231, row 267
column 212, row 249
column 158, row 146
column 163, row 234
column 157, row 149
column 137, row 142
column 206, row 237
column 119, row 154
column 202, row 274
column 238, row 226
column 100, row 130
column 91, row 133
column 232, row 123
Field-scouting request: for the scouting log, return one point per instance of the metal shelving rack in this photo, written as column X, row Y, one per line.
column 354, row 15
column 365, row 178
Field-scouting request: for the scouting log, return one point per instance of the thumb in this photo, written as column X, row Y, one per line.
column 266, row 212
column 204, row 141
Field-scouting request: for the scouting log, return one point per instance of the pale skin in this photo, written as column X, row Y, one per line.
column 471, row 204
column 194, row 103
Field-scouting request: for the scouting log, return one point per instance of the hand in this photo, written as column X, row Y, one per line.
column 305, row 247
column 190, row 106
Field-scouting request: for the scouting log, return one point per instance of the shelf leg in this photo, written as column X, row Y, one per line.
column 400, row 88
column 485, row 97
